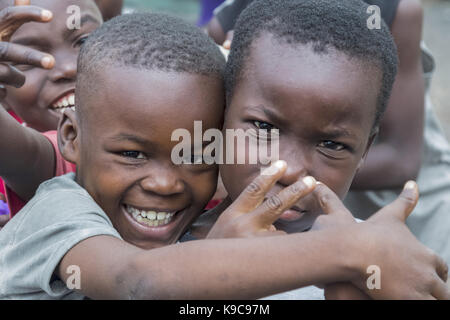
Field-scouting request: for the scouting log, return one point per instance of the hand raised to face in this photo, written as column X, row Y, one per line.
column 11, row 19
column 251, row 214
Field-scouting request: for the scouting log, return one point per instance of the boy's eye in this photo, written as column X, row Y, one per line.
column 82, row 40
column 133, row 154
column 263, row 125
column 331, row 145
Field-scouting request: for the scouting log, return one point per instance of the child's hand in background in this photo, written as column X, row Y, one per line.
column 11, row 55
column 250, row 215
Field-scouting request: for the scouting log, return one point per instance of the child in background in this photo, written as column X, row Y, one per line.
column 120, row 139
column 110, row 8
column 47, row 91
column 207, row 9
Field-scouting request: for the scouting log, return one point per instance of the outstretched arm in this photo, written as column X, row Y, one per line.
column 398, row 151
column 27, row 157
column 257, row 267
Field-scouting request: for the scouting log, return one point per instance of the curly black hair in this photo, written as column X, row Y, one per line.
column 341, row 25
column 148, row 41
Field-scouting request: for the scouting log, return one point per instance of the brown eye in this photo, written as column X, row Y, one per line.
column 331, row 145
column 133, row 154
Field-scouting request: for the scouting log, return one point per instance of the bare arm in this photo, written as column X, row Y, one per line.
column 27, row 157
column 257, row 267
column 398, row 151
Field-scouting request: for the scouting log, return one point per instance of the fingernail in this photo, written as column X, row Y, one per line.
column 46, row 15
column 280, row 164
column 410, row 185
column 227, row 44
column 47, row 62
column 274, row 168
column 309, row 181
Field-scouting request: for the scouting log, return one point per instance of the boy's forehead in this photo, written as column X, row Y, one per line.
column 150, row 97
column 278, row 67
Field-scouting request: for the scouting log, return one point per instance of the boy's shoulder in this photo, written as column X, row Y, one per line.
column 58, row 217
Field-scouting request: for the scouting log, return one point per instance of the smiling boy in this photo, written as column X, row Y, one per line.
column 47, row 91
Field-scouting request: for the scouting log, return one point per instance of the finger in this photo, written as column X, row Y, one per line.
column 21, row 2
column 265, row 233
column 440, row 290
column 12, row 18
column 228, row 40
column 273, row 207
column 11, row 76
column 402, row 207
column 24, row 55
column 254, row 194
column 441, row 268
column 329, row 201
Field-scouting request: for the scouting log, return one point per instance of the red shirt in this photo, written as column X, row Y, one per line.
column 62, row 167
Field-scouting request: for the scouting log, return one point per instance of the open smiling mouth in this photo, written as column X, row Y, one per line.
column 293, row 214
column 64, row 102
column 151, row 218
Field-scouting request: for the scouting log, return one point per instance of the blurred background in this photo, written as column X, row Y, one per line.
column 436, row 35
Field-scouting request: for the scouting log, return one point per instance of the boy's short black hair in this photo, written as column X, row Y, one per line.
column 149, row 41
column 341, row 25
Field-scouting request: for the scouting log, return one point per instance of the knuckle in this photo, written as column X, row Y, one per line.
column 408, row 198
column 324, row 199
column 296, row 188
column 274, row 202
column 254, row 188
column 29, row 57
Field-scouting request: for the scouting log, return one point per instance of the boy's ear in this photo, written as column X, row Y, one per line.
column 372, row 137
column 68, row 136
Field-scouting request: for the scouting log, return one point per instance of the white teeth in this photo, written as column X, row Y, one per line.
column 150, row 218
column 64, row 102
column 161, row 215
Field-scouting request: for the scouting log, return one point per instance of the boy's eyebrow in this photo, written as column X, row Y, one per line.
column 268, row 112
column 87, row 17
column 130, row 137
column 337, row 132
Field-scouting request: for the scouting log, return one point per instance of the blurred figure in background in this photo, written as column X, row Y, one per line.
column 110, row 8
column 207, row 10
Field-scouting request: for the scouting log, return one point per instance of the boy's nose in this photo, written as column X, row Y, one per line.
column 295, row 171
column 65, row 69
column 163, row 183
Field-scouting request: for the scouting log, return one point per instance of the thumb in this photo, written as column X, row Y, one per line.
column 21, row 2
column 402, row 207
